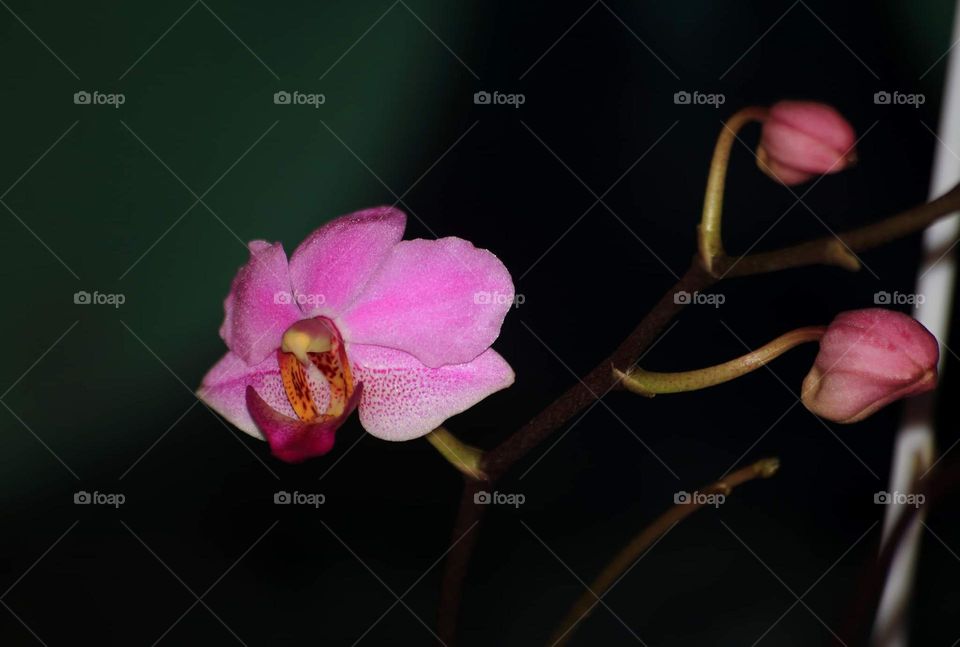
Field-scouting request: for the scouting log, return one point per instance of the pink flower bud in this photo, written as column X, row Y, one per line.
column 802, row 139
column 868, row 359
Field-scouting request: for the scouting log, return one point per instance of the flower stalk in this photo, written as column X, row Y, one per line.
column 708, row 233
column 840, row 250
column 465, row 458
column 649, row 383
column 612, row 573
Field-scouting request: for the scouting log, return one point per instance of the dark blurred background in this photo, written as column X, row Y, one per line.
column 99, row 398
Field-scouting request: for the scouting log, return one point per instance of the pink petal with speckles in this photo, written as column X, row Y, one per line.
column 403, row 399
column 224, row 389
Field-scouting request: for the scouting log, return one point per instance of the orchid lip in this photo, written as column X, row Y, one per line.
column 311, row 349
column 292, row 440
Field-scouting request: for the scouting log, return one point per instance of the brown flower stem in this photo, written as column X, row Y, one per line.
column 650, row 383
column 497, row 461
column 840, row 250
column 574, row 400
column 630, row 553
column 465, row 534
column 600, row 380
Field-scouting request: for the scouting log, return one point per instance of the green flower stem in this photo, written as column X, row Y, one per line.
column 649, row 383
column 708, row 238
column 465, row 458
column 840, row 249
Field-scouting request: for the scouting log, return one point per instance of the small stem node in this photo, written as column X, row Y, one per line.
column 631, row 384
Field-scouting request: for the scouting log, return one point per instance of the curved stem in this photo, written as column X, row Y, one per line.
column 459, row 454
column 649, row 383
column 630, row 553
column 708, row 238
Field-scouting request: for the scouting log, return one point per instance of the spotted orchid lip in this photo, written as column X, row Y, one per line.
column 308, row 343
column 293, row 440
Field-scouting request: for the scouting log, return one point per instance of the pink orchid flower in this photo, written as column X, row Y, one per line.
column 868, row 359
column 358, row 318
column 802, row 139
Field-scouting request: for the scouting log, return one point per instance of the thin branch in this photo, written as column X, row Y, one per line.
column 462, row 456
column 598, row 381
column 574, row 400
column 650, row 383
column 634, row 550
column 458, row 560
column 839, row 250
column 709, row 240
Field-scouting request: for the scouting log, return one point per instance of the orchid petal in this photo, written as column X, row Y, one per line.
column 403, row 399
column 224, row 390
column 329, row 269
column 868, row 359
column 800, row 150
column 783, row 173
column 442, row 301
column 258, row 308
column 816, row 119
column 886, row 345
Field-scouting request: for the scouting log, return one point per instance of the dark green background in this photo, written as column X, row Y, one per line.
column 108, row 205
